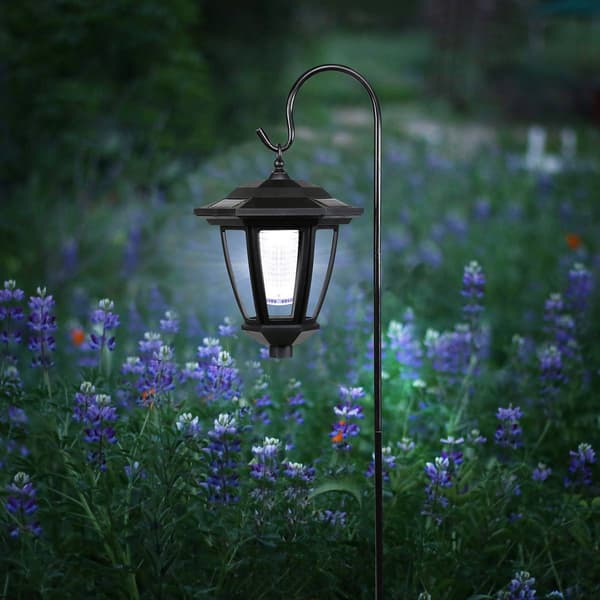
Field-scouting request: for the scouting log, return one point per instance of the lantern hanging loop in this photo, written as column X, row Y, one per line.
column 289, row 110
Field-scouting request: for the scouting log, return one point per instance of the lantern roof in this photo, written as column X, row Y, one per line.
column 278, row 197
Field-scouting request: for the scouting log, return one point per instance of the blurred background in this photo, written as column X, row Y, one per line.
column 117, row 118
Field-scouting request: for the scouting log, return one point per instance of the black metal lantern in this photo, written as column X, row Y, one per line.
column 279, row 240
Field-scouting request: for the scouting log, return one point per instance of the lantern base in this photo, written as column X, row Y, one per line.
column 280, row 351
column 281, row 336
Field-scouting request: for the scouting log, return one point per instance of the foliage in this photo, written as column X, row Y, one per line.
column 166, row 457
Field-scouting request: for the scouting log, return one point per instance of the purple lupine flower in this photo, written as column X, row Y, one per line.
column 389, row 463
column 298, row 472
column 264, row 464
column 105, row 320
column 482, row 209
column 170, row 323
column 227, row 328
column 133, row 365
column 220, row 378
column 134, row 470
column 453, row 452
column 294, row 402
column 439, row 476
column 188, row 425
column 406, row 445
column 21, row 504
column 99, row 430
column 10, row 382
column 579, row 288
column 222, row 479
column 552, row 374
column 150, row 344
column 564, row 334
column 403, row 341
column 541, row 472
column 299, row 479
column 508, row 434
column 84, row 398
column 553, row 308
column 335, row 518
column 211, row 348
column 261, row 403
column 450, row 351
column 347, row 412
column 580, row 465
column 158, row 377
column 473, row 289
column 520, row 588
column 42, row 323
column 190, row 370
column 475, row 437
column 10, row 314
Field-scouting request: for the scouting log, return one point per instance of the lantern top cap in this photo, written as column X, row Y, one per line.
column 278, row 196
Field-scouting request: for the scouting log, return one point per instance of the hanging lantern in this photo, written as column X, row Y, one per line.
column 279, row 240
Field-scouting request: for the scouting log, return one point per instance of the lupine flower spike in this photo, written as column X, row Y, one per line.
column 42, row 323
column 347, row 413
column 11, row 313
column 21, row 504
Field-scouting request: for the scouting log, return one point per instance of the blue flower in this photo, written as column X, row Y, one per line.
column 541, row 472
column 450, row 351
column 473, row 288
column 99, row 431
column 438, row 473
column 10, row 313
column 580, row 465
column 265, row 464
column 21, row 504
column 579, row 288
column 508, row 434
column 106, row 321
column 520, row 588
column 388, row 460
column 224, row 446
column 403, row 341
column 170, row 324
column 42, row 323
column 188, row 425
column 347, row 412
column 552, row 374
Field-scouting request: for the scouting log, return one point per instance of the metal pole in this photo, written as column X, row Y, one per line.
column 377, row 421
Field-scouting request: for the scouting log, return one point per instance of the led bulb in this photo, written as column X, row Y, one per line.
column 279, row 259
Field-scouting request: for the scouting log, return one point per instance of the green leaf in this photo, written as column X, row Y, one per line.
column 343, row 486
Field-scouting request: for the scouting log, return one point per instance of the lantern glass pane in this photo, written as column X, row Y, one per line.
column 322, row 255
column 279, row 262
column 237, row 253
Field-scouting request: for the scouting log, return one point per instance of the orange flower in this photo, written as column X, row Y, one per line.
column 148, row 397
column 339, row 436
column 573, row 240
column 77, row 336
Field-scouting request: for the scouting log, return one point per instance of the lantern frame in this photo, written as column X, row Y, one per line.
column 280, row 203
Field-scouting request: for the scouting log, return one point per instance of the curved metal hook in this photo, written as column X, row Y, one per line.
column 289, row 111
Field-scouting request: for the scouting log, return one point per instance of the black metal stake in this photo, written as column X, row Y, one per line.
column 377, row 437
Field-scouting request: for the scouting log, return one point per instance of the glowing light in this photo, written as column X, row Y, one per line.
column 279, row 259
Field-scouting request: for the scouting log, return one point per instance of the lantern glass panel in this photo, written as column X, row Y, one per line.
column 236, row 256
column 279, row 262
column 323, row 256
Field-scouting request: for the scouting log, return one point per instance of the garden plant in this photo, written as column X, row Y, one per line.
column 149, row 450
